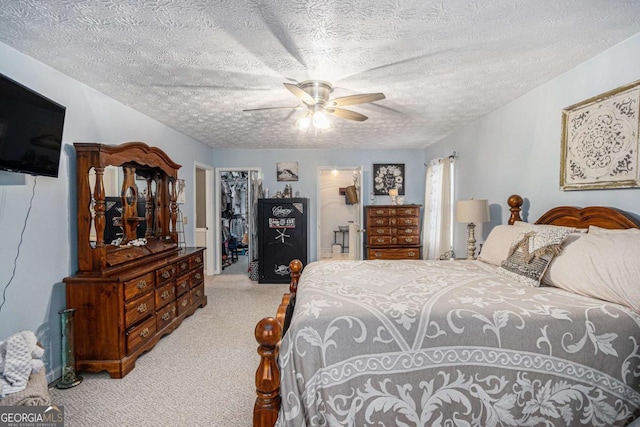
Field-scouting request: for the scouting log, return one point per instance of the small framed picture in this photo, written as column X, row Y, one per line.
column 387, row 176
column 180, row 188
column 287, row 171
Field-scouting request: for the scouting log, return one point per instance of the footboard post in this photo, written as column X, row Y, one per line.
column 265, row 410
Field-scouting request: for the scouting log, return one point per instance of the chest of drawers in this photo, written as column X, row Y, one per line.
column 393, row 232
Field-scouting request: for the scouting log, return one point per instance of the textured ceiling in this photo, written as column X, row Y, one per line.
column 196, row 64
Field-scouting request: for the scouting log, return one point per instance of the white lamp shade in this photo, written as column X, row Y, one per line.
column 472, row 210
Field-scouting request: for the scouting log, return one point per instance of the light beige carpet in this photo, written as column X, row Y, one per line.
column 202, row 374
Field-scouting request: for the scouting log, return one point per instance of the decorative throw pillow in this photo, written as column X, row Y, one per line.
column 531, row 253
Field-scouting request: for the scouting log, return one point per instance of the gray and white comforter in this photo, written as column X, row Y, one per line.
column 429, row 343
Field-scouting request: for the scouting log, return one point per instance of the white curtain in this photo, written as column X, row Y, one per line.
column 437, row 230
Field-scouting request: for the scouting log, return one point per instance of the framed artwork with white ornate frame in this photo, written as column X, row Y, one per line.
column 600, row 141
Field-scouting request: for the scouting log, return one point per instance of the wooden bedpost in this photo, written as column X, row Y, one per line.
column 515, row 204
column 265, row 410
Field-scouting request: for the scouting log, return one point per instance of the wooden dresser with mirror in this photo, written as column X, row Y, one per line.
column 134, row 282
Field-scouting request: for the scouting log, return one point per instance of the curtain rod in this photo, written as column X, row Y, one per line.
column 452, row 156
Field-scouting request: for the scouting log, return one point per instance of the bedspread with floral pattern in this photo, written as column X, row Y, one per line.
column 451, row 343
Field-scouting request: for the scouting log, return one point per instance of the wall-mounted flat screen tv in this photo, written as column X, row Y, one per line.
column 30, row 130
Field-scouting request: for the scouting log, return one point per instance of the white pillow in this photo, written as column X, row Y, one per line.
column 496, row 248
column 599, row 231
column 603, row 266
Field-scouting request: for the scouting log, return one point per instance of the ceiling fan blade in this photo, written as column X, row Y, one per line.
column 297, row 107
column 356, row 99
column 304, row 96
column 346, row 114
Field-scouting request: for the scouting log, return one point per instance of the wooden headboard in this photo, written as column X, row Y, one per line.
column 593, row 215
column 569, row 216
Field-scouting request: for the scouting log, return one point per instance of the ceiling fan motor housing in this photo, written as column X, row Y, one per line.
column 319, row 90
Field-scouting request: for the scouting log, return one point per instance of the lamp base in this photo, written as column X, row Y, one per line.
column 471, row 241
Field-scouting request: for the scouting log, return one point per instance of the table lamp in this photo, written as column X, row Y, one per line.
column 472, row 212
column 393, row 192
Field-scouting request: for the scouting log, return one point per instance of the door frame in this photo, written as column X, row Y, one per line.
column 217, row 262
column 210, row 207
column 360, row 210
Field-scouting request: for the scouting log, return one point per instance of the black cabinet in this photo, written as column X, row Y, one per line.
column 283, row 235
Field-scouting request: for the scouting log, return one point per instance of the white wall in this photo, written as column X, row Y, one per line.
column 516, row 149
column 308, row 162
column 47, row 254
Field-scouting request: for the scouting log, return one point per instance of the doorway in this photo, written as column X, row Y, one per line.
column 339, row 212
column 204, row 218
column 236, row 191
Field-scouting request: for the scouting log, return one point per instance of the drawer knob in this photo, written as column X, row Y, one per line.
column 184, row 265
column 407, row 221
column 408, row 230
column 412, row 254
column 198, row 276
column 142, row 284
column 380, row 231
column 142, row 308
column 198, row 293
column 165, row 295
column 380, row 240
column 185, row 302
column 378, row 254
column 166, row 274
column 198, row 260
column 144, row 333
column 183, row 284
column 409, row 239
column 166, row 316
column 379, row 211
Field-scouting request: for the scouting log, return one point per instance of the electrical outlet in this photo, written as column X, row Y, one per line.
column 185, row 220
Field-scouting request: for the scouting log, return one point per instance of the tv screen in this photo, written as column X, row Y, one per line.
column 30, row 130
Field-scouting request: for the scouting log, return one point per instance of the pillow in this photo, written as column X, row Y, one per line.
column 531, row 253
column 599, row 231
column 545, row 226
column 496, row 248
column 604, row 266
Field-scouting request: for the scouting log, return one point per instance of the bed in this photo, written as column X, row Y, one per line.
column 464, row 342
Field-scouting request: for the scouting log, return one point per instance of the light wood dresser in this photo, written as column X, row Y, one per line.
column 393, row 231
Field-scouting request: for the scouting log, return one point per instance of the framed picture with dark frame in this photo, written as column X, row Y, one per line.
column 600, row 141
column 387, row 176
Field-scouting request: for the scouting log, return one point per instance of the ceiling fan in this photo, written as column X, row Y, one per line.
column 315, row 96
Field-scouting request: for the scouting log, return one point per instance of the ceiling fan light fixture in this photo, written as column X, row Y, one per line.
column 320, row 120
column 304, row 122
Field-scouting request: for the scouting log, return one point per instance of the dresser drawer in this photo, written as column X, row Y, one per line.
column 183, row 303
column 197, row 277
column 373, row 212
column 379, row 231
column 138, row 309
column 165, row 274
column 165, row 316
column 138, row 286
column 380, row 240
column 197, row 293
column 165, row 295
column 407, row 231
column 182, row 266
column 382, row 221
column 183, row 284
column 407, row 240
column 404, row 220
column 394, row 253
column 408, row 211
column 195, row 261
column 140, row 334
